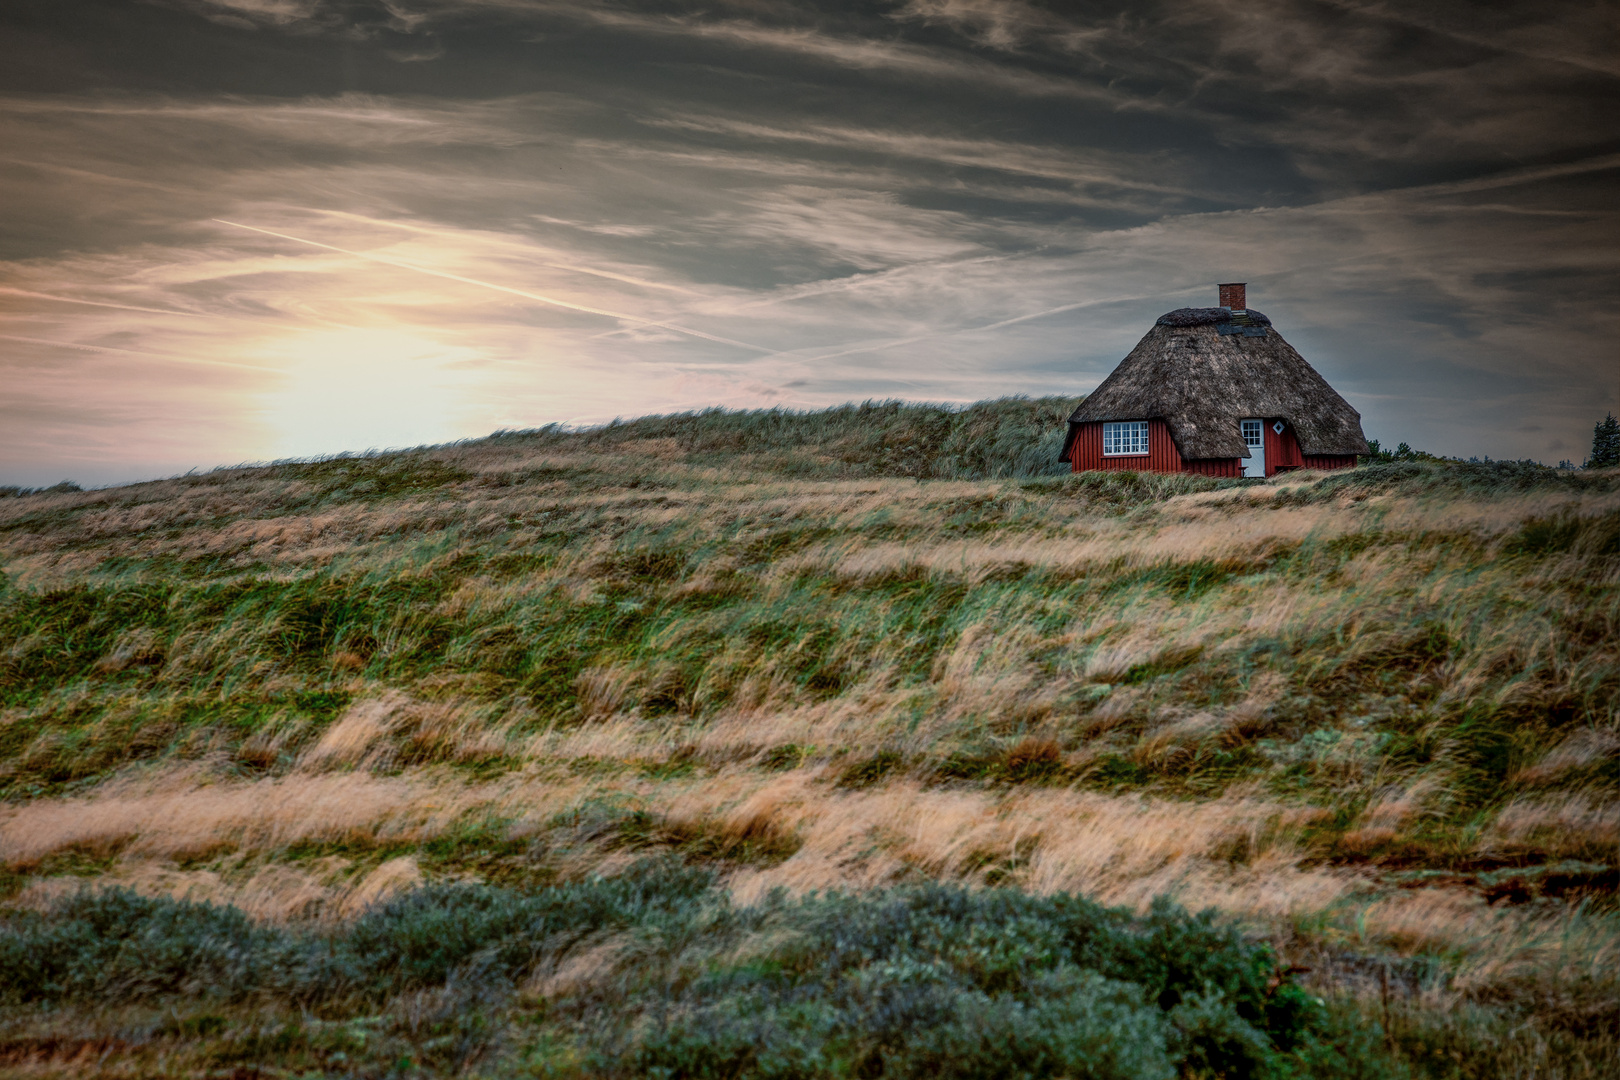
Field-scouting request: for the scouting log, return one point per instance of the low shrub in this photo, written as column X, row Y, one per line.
column 114, row 942
column 942, row 981
column 918, row 981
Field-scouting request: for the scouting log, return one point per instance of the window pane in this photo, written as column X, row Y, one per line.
column 1128, row 437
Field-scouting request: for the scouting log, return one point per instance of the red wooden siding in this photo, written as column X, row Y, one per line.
column 1215, row 466
column 1162, row 455
column 1330, row 461
column 1282, row 450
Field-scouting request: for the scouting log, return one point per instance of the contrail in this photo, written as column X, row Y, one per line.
column 894, row 344
column 98, row 303
column 153, row 310
column 1042, row 314
column 626, row 278
column 137, row 352
column 505, row 289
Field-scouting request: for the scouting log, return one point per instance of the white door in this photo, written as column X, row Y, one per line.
column 1254, row 437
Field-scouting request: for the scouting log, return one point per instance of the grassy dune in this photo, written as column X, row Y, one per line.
column 863, row 742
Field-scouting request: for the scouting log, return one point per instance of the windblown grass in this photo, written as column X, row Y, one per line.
column 1370, row 716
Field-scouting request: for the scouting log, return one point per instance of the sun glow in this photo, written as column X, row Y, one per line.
column 371, row 387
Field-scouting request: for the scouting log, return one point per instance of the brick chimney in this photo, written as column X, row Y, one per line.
column 1232, row 295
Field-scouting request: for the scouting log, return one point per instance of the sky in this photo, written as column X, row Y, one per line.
column 247, row 230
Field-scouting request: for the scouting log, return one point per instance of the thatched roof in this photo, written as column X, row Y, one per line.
column 1201, row 373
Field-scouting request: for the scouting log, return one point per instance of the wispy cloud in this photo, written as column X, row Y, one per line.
column 1074, row 165
column 524, row 293
column 482, row 239
column 899, row 59
column 84, row 346
column 582, row 210
column 1582, row 36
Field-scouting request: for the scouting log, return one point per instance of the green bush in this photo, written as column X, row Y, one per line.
column 912, row 982
column 941, row 981
column 118, row 945
column 419, row 938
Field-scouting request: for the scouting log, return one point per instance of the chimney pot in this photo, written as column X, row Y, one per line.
column 1232, row 295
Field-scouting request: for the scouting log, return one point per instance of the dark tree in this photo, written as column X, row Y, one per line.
column 1605, row 444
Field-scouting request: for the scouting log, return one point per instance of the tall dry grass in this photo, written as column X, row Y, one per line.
column 1340, row 709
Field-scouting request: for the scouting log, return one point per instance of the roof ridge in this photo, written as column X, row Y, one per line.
column 1206, row 316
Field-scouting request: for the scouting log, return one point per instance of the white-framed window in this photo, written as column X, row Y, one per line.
column 1125, row 438
column 1251, row 433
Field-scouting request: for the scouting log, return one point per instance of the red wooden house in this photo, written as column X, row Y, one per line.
column 1215, row 391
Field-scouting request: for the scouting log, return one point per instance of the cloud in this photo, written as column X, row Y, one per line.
column 1581, row 35
column 354, row 18
column 944, row 200
column 898, row 59
column 1004, row 25
column 525, row 294
column 1371, row 83
column 1078, row 166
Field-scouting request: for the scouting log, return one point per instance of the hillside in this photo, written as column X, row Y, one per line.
column 862, row 742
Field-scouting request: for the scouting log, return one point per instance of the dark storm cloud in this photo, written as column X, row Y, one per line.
column 943, row 199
